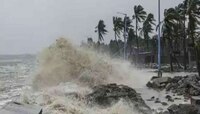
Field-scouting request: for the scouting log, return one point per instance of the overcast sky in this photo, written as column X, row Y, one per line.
column 27, row 26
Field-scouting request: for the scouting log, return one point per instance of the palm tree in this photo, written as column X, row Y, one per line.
column 130, row 41
column 193, row 12
column 139, row 16
column 168, row 30
column 193, row 17
column 181, row 10
column 148, row 28
column 118, row 26
column 100, row 28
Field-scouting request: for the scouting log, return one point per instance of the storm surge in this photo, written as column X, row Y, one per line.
column 66, row 73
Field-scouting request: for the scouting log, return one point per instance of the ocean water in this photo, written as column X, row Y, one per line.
column 14, row 71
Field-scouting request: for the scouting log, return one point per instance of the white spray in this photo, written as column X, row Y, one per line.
column 65, row 69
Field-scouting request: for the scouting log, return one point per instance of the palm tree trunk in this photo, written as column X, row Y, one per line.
column 170, row 55
column 197, row 50
column 147, row 41
column 137, row 35
column 184, row 40
column 116, row 40
column 184, row 50
column 137, row 40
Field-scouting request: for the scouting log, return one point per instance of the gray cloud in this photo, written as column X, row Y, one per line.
column 27, row 26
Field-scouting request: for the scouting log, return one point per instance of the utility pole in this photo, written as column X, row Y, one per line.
column 125, row 33
column 159, row 50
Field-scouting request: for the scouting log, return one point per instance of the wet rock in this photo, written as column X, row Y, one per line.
column 19, row 108
column 165, row 112
column 171, row 100
column 151, row 99
column 158, row 83
column 164, row 103
column 183, row 109
column 187, row 85
column 176, row 98
column 168, row 97
column 107, row 95
column 157, row 100
column 160, row 109
column 168, row 86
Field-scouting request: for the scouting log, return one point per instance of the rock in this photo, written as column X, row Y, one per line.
column 171, row 100
column 168, row 86
column 183, row 109
column 176, row 98
column 160, row 109
column 195, row 100
column 187, row 85
column 164, row 103
column 165, row 112
column 173, row 109
column 151, row 99
column 157, row 100
column 18, row 108
column 161, row 80
column 168, row 97
column 158, row 83
column 107, row 95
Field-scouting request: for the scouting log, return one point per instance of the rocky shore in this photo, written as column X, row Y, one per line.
column 181, row 85
column 107, row 95
column 187, row 86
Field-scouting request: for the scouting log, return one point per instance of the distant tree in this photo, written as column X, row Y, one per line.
column 90, row 41
column 100, row 29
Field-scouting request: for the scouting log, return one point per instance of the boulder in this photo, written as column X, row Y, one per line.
column 183, row 109
column 187, row 85
column 107, row 95
column 18, row 108
column 158, row 83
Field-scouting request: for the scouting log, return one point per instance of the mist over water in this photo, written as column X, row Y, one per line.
column 66, row 74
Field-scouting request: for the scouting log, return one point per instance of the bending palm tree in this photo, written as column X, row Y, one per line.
column 193, row 12
column 168, row 29
column 193, row 17
column 181, row 10
column 139, row 16
column 100, row 28
column 118, row 26
column 148, row 28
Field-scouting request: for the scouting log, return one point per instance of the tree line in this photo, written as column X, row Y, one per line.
column 180, row 33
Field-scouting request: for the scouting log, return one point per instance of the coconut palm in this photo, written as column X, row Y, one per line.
column 139, row 16
column 193, row 12
column 130, row 41
column 193, row 8
column 181, row 10
column 168, row 30
column 100, row 29
column 147, row 28
column 118, row 26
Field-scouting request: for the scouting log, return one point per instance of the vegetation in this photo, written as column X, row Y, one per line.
column 180, row 35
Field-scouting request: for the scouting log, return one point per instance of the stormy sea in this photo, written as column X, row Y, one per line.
column 51, row 78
